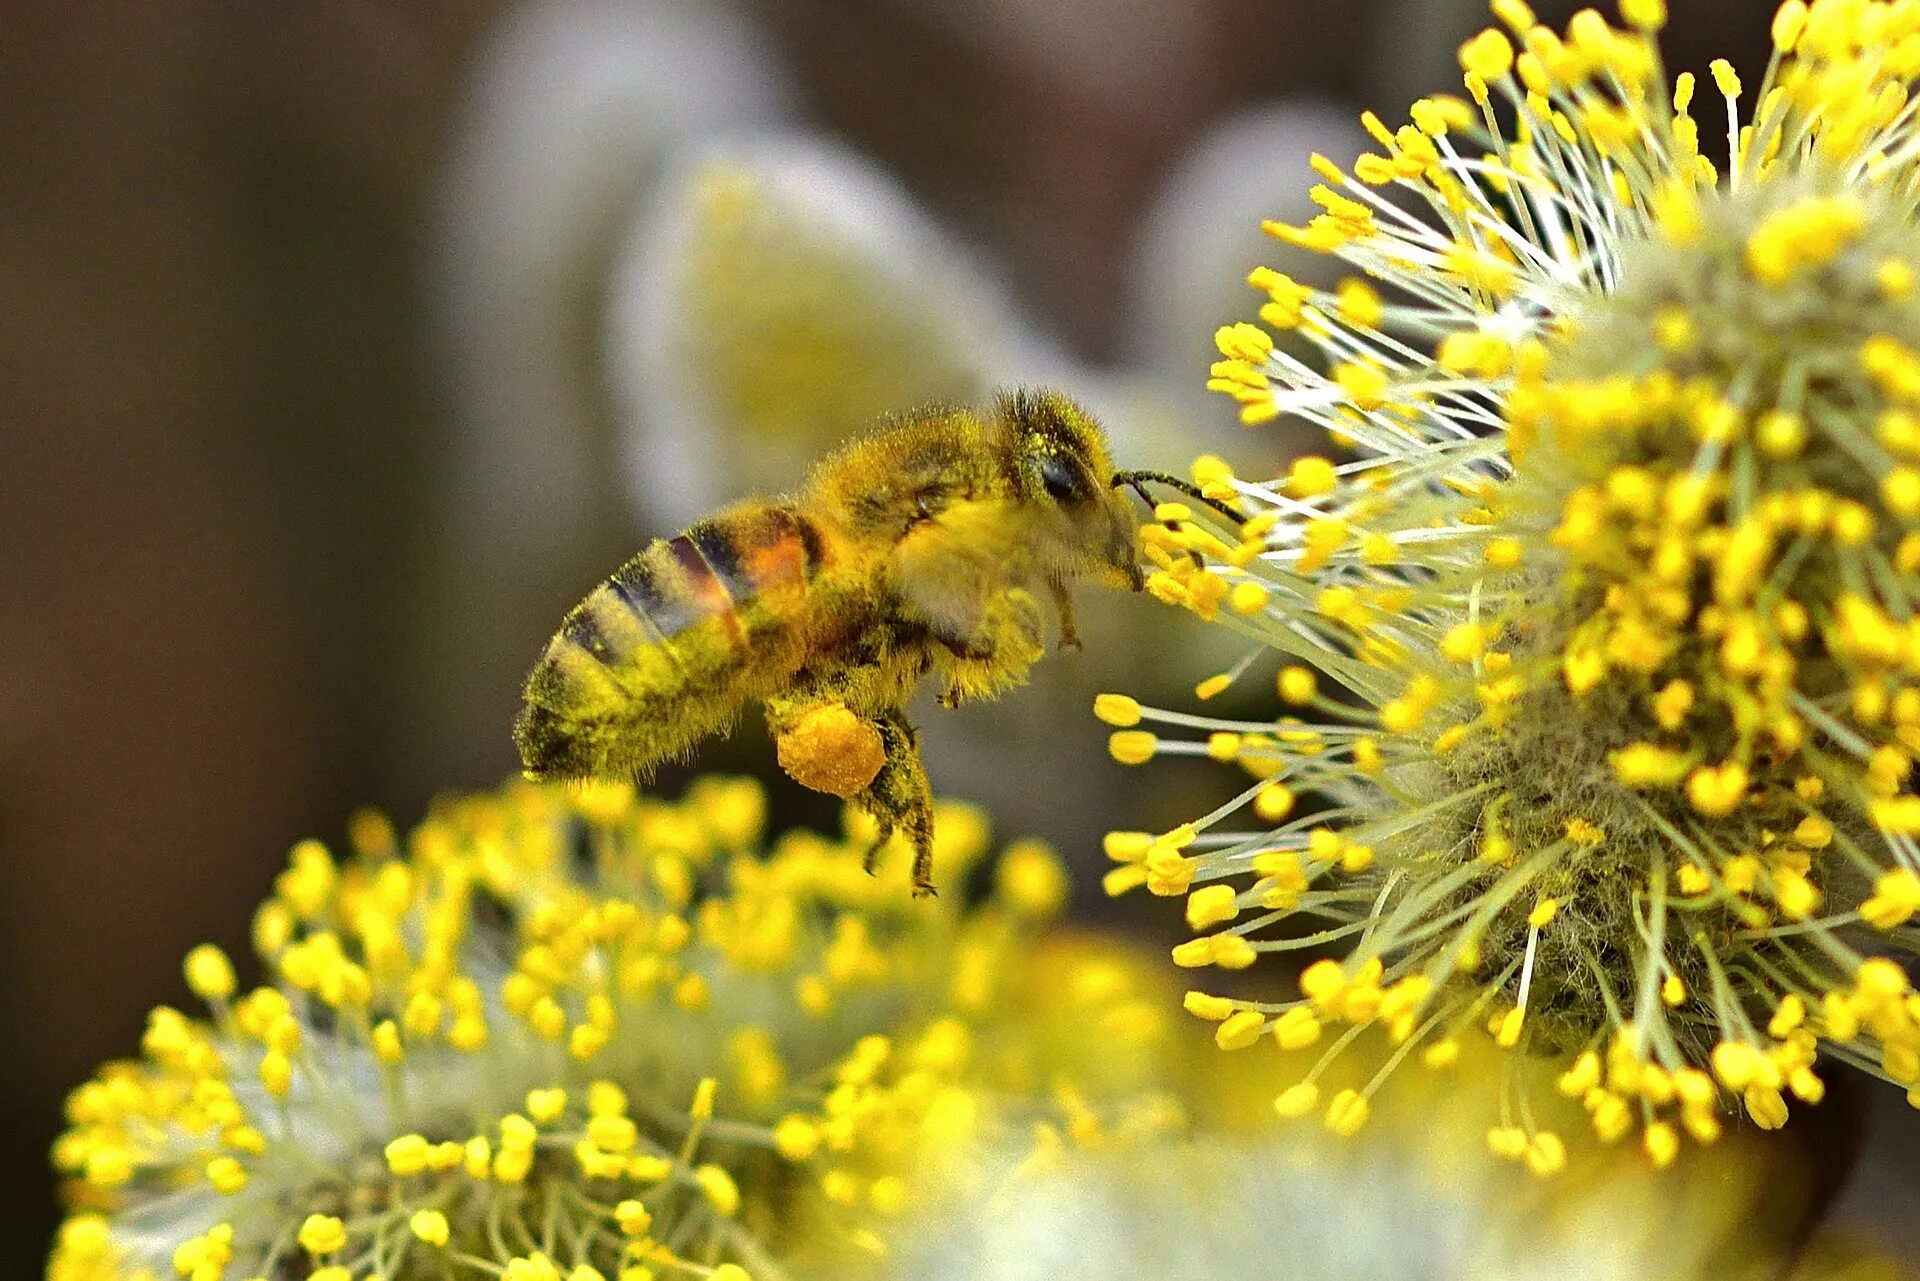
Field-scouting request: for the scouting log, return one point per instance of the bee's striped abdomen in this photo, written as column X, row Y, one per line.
column 665, row 651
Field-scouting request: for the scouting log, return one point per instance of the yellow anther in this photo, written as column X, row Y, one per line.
column 1488, row 55
column 209, row 974
column 322, row 1234
column 407, row 1155
column 1296, row 1029
column 1310, row 477
column 1662, row 1144
column 1273, row 802
column 1211, row 905
column 1204, row 1006
column 1896, row 897
column 718, row 1187
column 429, row 1226
column 1725, row 77
column 1717, row 791
column 1347, row 1113
column 227, row 1175
column 1240, row 1030
column 1643, row 765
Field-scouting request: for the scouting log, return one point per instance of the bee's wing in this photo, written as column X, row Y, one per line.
column 947, row 570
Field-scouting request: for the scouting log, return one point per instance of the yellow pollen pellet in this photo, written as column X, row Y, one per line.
column 1132, row 747
column 1543, row 913
column 1116, row 709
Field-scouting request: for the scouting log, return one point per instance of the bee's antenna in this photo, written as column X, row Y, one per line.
column 1137, row 482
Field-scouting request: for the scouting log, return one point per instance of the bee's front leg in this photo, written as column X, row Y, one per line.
column 1008, row 638
column 901, row 798
column 1063, row 606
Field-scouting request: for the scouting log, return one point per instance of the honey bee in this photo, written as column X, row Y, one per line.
column 926, row 547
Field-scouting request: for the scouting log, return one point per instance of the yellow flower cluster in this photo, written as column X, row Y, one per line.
column 594, row 1037
column 1600, row 640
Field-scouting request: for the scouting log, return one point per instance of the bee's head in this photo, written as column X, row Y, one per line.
column 1064, row 473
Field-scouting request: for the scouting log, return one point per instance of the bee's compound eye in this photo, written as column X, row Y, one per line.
column 1063, row 481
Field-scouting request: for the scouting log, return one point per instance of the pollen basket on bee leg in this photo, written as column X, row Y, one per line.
column 831, row 749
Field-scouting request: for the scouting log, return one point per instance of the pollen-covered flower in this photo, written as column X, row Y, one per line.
column 1416, row 1197
column 1599, row 636
column 589, row 1036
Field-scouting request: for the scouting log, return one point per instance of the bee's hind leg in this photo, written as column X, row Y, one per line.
column 901, row 799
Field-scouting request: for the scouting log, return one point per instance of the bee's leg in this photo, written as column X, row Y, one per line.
column 900, row 797
column 1009, row 637
column 1063, row 605
column 823, row 744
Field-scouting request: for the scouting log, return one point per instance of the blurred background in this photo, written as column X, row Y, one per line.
column 347, row 343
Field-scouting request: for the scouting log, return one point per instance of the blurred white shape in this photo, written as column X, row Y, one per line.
column 778, row 294
column 572, row 106
column 1201, row 236
column 1373, row 1208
